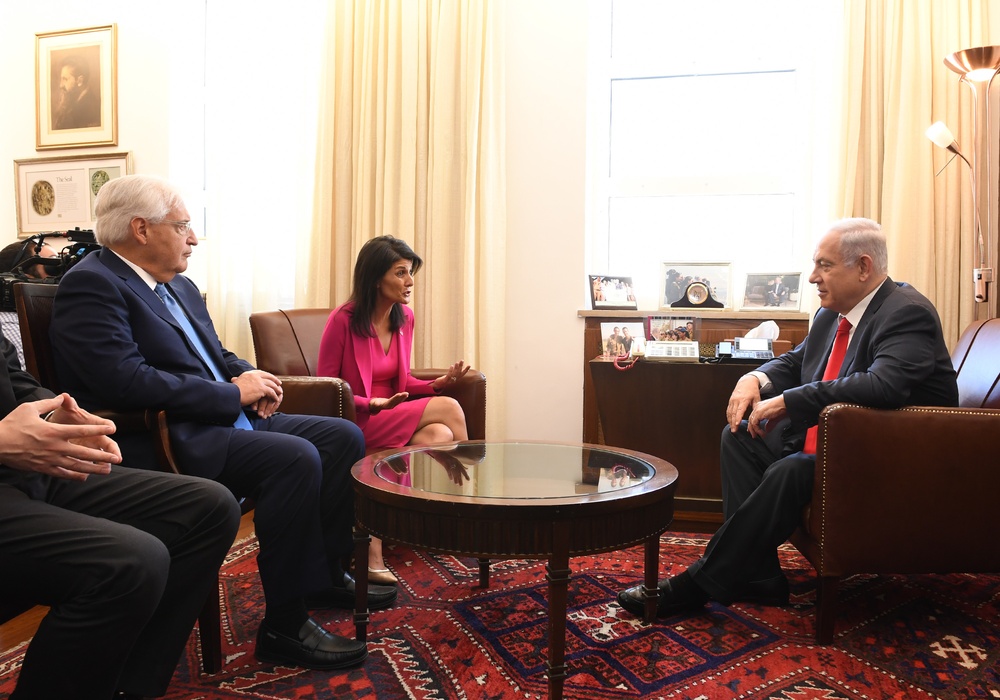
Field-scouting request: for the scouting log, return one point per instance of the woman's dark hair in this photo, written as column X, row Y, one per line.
column 375, row 258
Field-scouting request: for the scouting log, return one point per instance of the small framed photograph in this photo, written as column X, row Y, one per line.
column 76, row 88
column 671, row 328
column 622, row 338
column 58, row 194
column 611, row 292
column 772, row 290
column 677, row 277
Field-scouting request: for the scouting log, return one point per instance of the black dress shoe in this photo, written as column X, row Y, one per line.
column 342, row 597
column 772, row 591
column 676, row 595
column 314, row 647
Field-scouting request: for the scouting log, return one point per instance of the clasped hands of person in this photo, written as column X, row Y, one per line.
column 260, row 391
column 764, row 413
column 454, row 373
column 69, row 443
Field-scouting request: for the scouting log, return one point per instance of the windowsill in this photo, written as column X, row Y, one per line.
column 698, row 313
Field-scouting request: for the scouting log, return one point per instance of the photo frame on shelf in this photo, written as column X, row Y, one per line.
column 677, row 279
column 76, row 88
column 621, row 338
column 613, row 292
column 777, row 291
column 58, row 194
column 671, row 328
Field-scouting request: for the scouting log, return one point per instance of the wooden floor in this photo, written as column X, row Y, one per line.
column 22, row 628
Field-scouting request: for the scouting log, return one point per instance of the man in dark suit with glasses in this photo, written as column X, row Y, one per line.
column 129, row 331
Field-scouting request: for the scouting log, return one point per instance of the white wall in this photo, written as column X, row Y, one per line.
column 154, row 62
column 546, row 71
column 546, row 158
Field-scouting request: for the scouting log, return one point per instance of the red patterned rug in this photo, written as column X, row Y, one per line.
column 897, row 637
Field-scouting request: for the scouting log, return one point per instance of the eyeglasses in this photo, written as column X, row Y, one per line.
column 183, row 227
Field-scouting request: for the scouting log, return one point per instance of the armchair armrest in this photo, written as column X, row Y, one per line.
column 906, row 491
column 470, row 392
column 318, row 396
column 150, row 421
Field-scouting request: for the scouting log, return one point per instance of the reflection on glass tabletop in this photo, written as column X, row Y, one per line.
column 513, row 470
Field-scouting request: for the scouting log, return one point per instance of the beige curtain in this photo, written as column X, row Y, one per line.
column 260, row 145
column 412, row 144
column 896, row 85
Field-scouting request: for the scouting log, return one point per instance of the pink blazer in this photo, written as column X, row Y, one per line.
column 348, row 356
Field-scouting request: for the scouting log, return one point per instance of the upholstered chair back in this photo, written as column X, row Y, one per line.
column 976, row 360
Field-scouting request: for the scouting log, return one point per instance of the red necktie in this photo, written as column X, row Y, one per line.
column 833, row 364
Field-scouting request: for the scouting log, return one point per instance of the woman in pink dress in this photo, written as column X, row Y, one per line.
column 367, row 342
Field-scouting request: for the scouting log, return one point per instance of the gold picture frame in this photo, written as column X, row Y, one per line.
column 58, row 193
column 76, row 88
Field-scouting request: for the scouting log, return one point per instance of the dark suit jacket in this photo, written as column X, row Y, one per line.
column 117, row 346
column 897, row 357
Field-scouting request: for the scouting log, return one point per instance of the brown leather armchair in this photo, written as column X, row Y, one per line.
column 286, row 343
column 34, row 309
column 910, row 491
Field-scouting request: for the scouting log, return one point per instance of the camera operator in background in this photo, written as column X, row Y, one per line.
column 19, row 262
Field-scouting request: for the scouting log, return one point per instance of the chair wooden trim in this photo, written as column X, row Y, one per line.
column 34, row 311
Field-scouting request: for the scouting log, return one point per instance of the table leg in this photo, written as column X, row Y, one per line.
column 361, row 542
column 484, row 573
column 557, row 574
column 651, row 563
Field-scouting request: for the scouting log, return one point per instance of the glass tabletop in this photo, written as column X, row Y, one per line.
column 513, row 470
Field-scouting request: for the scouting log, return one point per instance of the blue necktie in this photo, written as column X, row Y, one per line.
column 242, row 422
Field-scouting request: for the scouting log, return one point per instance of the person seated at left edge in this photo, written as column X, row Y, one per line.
column 130, row 332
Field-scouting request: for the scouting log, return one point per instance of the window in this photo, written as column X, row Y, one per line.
column 700, row 120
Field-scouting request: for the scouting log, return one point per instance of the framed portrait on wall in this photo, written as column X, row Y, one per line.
column 76, row 88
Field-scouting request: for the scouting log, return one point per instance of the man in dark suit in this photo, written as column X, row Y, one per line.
column 125, row 558
column 130, row 332
column 893, row 354
column 775, row 291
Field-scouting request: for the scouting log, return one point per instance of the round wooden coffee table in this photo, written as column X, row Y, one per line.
column 515, row 500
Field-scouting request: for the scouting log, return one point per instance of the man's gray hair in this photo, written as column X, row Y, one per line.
column 125, row 198
column 859, row 237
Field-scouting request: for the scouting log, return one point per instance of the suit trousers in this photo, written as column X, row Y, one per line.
column 125, row 560
column 763, row 494
column 297, row 470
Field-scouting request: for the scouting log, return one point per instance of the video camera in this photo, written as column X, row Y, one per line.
column 81, row 242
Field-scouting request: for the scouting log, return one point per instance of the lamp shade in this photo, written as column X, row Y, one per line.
column 977, row 64
column 940, row 134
